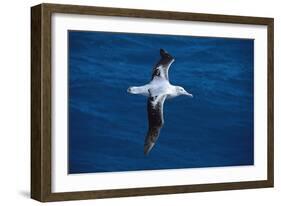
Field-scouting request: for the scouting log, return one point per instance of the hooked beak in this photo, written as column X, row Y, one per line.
column 188, row 94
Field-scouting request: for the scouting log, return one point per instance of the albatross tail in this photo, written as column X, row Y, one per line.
column 138, row 90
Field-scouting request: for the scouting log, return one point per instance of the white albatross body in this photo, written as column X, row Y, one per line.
column 158, row 86
column 157, row 90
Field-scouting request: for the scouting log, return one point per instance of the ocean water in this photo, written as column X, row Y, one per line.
column 107, row 125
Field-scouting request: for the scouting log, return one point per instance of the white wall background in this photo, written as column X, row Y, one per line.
column 15, row 102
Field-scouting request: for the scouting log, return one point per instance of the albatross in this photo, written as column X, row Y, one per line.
column 158, row 90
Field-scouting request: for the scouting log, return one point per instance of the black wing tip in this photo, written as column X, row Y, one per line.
column 147, row 148
column 146, row 152
column 165, row 54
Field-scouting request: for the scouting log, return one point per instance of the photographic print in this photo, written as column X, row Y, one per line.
column 154, row 101
column 131, row 102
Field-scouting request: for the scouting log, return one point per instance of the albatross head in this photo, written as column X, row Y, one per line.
column 181, row 91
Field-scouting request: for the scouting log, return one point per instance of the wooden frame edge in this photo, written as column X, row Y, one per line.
column 158, row 14
column 101, row 194
column 41, row 101
column 270, row 101
column 36, row 58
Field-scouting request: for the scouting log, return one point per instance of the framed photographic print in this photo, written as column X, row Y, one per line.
column 130, row 102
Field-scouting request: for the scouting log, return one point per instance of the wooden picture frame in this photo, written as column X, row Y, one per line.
column 41, row 116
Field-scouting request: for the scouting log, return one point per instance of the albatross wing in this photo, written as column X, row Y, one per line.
column 155, row 121
column 162, row 67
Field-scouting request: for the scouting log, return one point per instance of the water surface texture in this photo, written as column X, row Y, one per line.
column 107, row 125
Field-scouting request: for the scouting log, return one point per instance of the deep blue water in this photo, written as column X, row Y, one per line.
column 107, row 125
